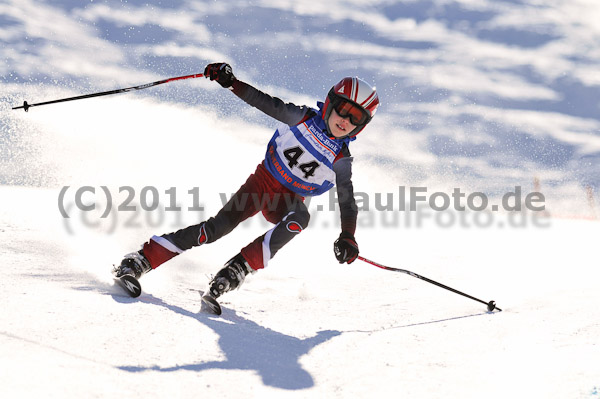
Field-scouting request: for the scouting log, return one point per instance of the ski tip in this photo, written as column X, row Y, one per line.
column 130, row 284
column 211, row 304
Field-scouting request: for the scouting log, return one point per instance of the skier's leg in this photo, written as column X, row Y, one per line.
column 291, row 217
column 160, row 249
column 260, row 251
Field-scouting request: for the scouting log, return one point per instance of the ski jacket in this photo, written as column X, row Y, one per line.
column 302, row 155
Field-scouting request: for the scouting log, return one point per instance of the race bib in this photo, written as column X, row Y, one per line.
column 301, row 157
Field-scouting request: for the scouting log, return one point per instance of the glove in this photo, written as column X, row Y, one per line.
column 345, row 248
column 221, row 72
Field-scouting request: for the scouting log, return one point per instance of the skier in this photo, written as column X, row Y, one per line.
column 305, row 157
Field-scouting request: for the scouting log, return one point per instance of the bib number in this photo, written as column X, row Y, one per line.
column 293, row 154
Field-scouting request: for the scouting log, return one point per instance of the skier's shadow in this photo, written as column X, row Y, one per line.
column 249, row 346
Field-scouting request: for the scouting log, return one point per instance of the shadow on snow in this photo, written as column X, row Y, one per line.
column 248, row 346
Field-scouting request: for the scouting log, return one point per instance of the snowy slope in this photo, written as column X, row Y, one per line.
column 306, row 327
column 484, row 96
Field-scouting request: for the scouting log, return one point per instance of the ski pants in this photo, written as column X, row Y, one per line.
column 260, row 193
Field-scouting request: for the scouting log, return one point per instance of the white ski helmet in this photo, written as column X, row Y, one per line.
column 353, row 98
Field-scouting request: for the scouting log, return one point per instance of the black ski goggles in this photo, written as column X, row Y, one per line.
column 346, row 109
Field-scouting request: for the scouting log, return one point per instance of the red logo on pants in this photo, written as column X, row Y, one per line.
column 202, row 237
column 294, row 227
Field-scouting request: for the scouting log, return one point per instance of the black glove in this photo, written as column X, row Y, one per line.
column 221, row 72
column 345, row 248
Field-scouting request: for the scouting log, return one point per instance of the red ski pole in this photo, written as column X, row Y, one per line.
column 26, row 106
column 491, row 305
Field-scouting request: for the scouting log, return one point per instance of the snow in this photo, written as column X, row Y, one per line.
column 483, row 96
column 306, row 326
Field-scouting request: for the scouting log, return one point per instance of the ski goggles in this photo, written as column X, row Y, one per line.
column 346, row 109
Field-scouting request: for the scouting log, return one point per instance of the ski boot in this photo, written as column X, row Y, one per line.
column 134, row 264
column 227, row 279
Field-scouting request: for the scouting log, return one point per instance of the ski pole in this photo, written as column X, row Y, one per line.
column 491, row 305
column 26, row 106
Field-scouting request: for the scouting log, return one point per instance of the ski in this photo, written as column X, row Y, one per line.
column 212, row 304
column 130, row 284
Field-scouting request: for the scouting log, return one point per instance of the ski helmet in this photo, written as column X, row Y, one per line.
column 353, row 98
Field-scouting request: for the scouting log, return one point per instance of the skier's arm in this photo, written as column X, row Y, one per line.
column 345, row 247
column 287, row 113
column 345, row 190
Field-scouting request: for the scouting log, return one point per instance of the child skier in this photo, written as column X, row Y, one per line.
column 304, row 158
